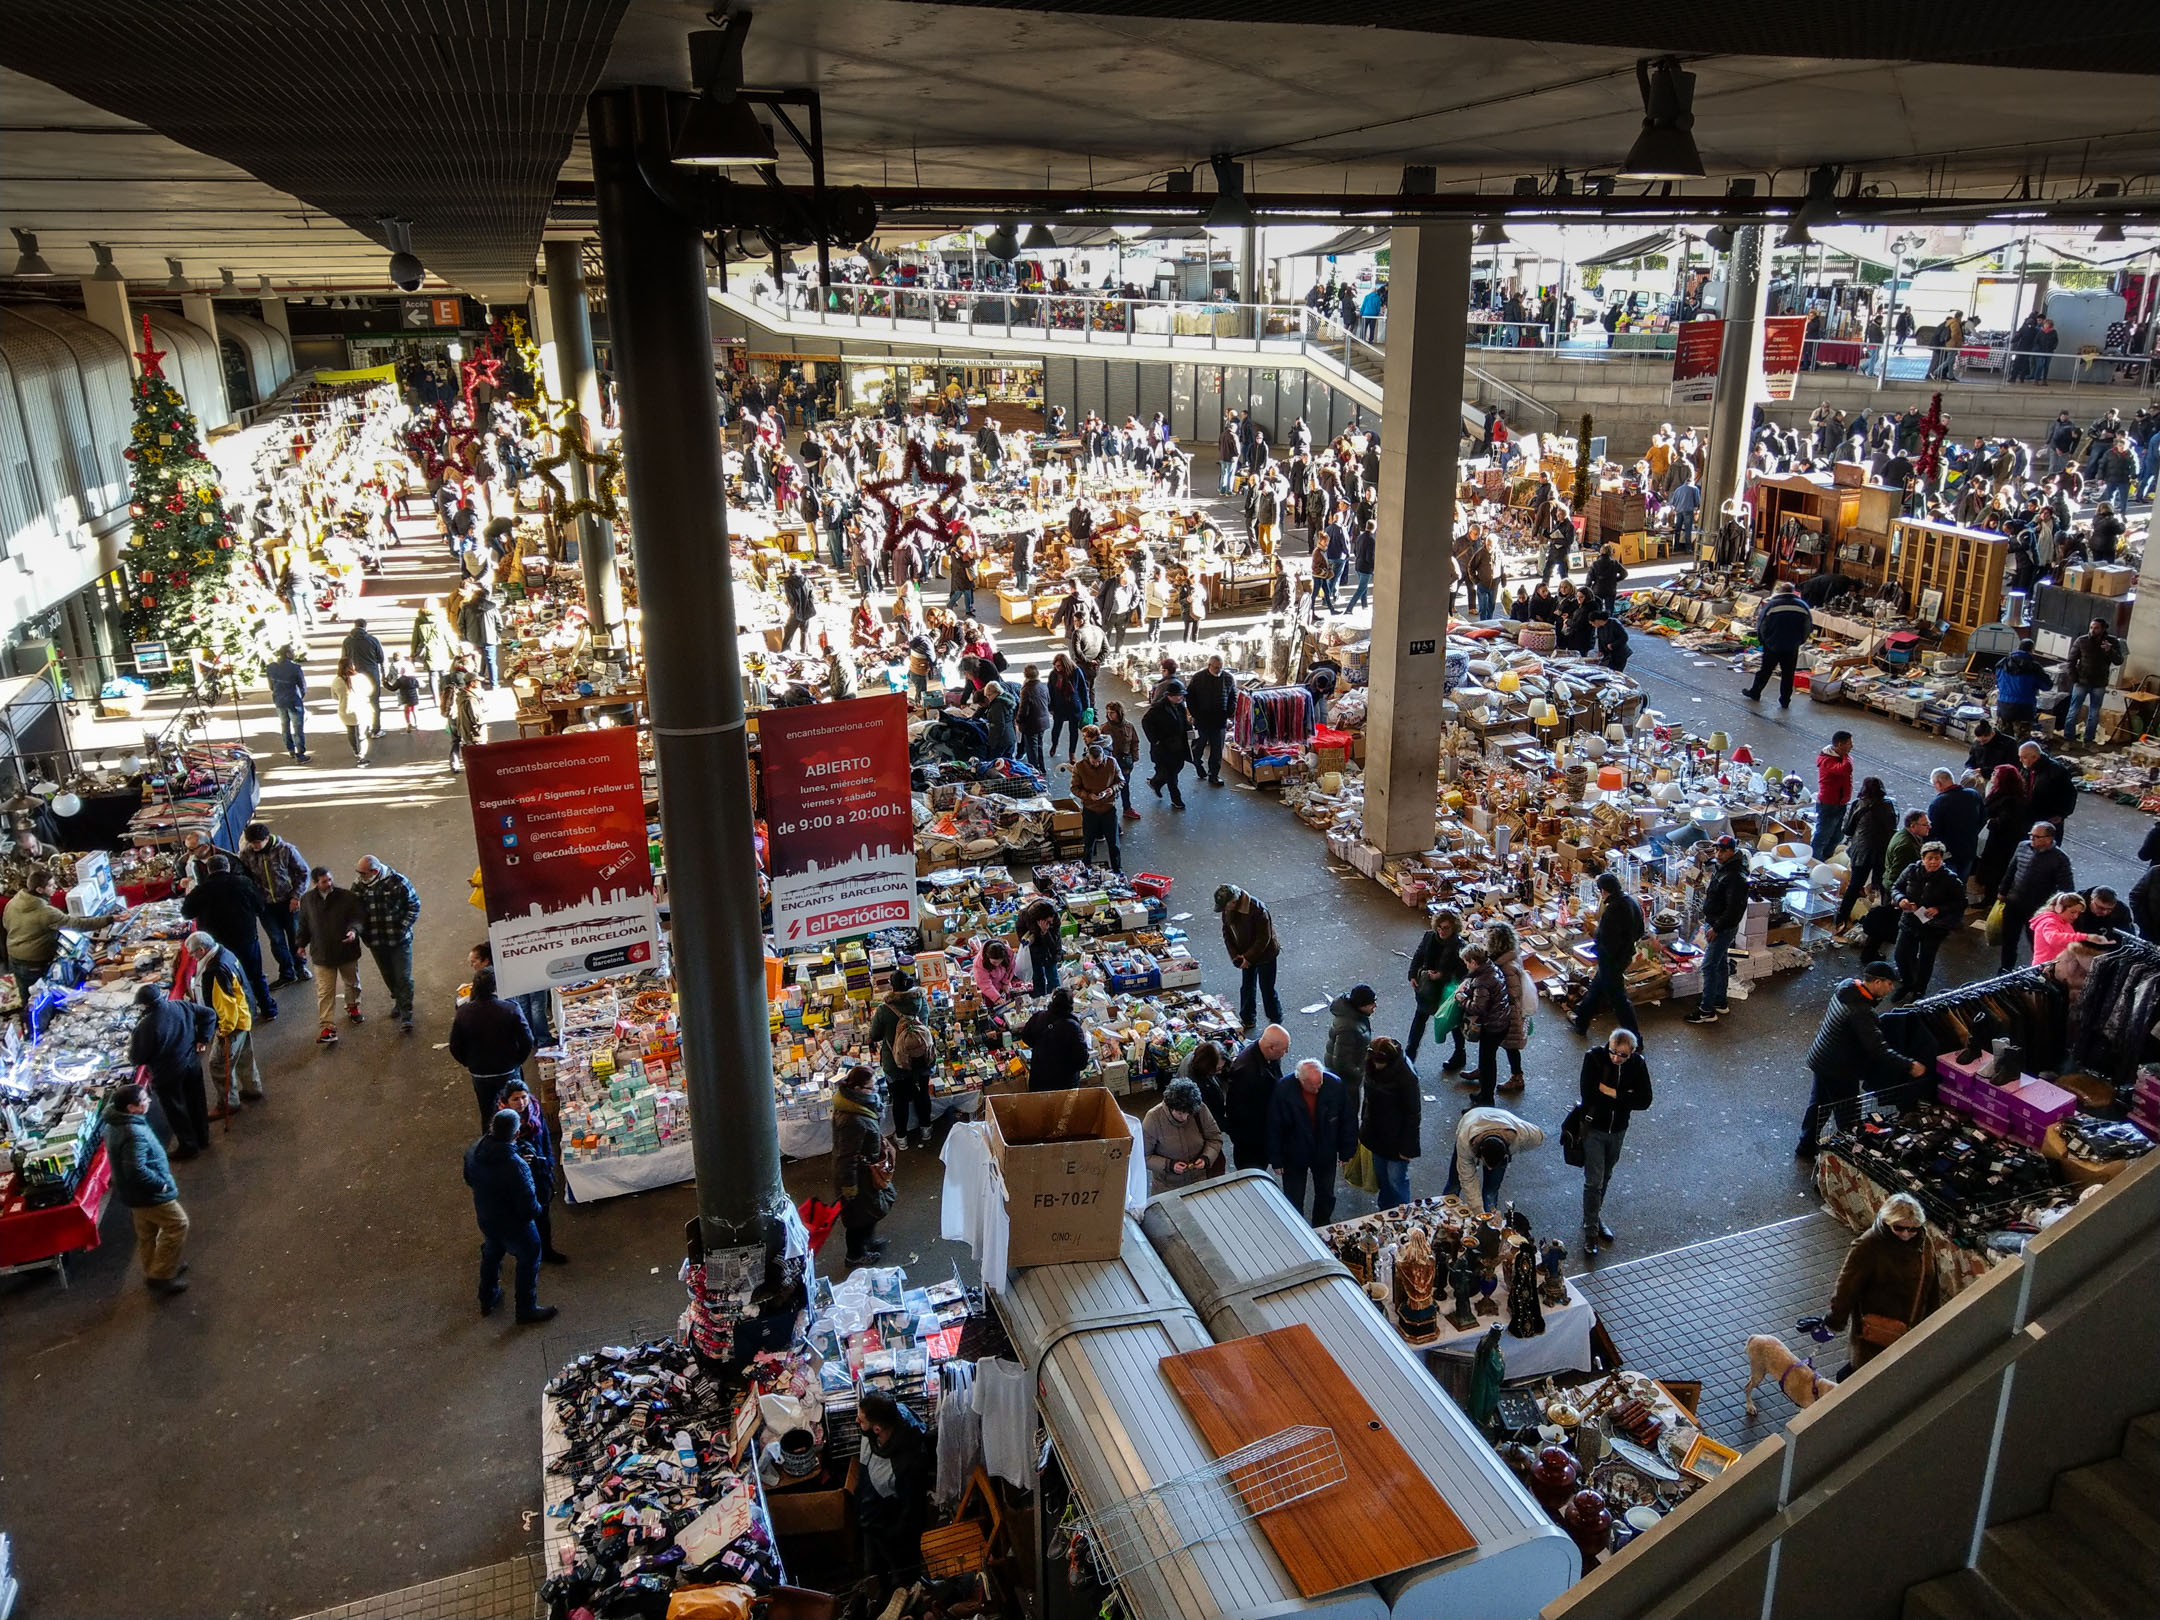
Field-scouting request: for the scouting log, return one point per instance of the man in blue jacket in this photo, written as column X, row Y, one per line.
column 1782, row 627
column 508, row 1210
column 143, row 1178
column 2019, row 681
column 288, row 691
column 1310, row 1131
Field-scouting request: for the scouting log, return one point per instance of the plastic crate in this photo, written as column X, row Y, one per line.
column 1154, row 885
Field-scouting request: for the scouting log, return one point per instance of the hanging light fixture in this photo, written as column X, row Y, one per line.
column 28, row 261
column 1004, row 244
column 177, row 281
column 720, row 128
column 263, row 289
column 878, row 262
column 227, row 287
column 1819, row 208
column 406, row 270
column 318, row 300
column 2111, row 232
column 1665, row 148
column 1492, row 234
column 1039, row 239
column 1231, row 210
column 106, row 270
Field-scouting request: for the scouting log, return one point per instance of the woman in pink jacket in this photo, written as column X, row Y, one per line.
column 994, row 972
column 2055, row 930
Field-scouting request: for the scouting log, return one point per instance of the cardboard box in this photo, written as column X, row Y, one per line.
column 1065, row 815
column 1064, row 1156
column 2111, row 579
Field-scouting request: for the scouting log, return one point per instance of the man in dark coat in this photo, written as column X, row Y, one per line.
column 490, row 1037
column 508, row 1210
column 330, row 920
column 227, row 905
column 2038, row 872
column 1249, row 1082
column 1310, row 1130
column 169, row 1040
column 1724, row 909
column 1782, row 628
column 368, row 658
column 1167, row 725
column 2051, row 789
column 1388, row 1123
column 1955, row 817
column 1850, row 1053
column 1211, row 700
column 1249, row 939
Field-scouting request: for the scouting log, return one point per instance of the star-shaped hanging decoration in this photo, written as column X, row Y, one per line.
column 481, row 368
column 903, row 518
column 150, row 355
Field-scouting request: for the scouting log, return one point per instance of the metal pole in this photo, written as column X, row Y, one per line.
column 2017, row 305
column 1889, row 331
column 581, row 387
column 662, row 340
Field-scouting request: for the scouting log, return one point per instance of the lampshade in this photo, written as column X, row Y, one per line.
column 1004, row 244
column 1743, row 755
column 67, row 804
column 716, row 134
column 1038, row 239
column 1719, row 742
column 1492, row 234
column 2112, row 231
column 1665, row 148
column 177, row 281
column 28, row 261
column 106, row 270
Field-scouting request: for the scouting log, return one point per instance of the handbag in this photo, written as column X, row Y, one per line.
column 1883, row 1331
column 1995, row 924
column 1359, row 1172
column 1571, row 1135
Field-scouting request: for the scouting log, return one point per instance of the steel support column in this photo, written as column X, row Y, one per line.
column 1739, row 376
column 662, row 344
column 571, row 324
column 1421, row 433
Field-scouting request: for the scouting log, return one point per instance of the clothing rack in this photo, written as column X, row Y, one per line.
column 1272, row 716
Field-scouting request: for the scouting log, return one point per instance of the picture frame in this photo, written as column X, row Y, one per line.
column 1707, row 1458
column 1931, row 601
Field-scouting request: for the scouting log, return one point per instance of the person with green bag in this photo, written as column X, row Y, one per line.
column 1435, row 968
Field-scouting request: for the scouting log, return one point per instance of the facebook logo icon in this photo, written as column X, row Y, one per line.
column 509, row 822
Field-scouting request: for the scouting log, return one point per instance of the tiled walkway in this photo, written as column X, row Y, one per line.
column 508, row 1591
column 1688, row 1313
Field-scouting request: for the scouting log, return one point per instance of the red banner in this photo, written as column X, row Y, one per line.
column 1784, row 338
column 1695, row 361
column 841, row 833
column 565, row 867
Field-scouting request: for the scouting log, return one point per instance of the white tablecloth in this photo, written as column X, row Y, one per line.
column 589, row 1180
column 1564, row 1346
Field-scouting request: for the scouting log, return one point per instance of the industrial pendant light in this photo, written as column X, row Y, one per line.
column 1665, row 149
column 227, row 287
column 106, row 270
column 721, row 129
column 1039, row 239
column 1231, row 210
column 1820, row 208
column 263, row 289
column 29, row 262
column 177, row 281
column 1492, row 234
column 2111, row 232
column 1004, row 244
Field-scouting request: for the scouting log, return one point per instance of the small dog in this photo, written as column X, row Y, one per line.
column 1769, row 1361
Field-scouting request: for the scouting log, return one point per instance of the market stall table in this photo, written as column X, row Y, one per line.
column 37, row 1239
column 1853, row 1196
column 563, row 712
column 1564, row 1346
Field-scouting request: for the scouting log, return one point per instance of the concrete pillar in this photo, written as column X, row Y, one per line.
column 198, row 310
column 2141, row 646
column 1414, row 562
column 678, row 500
column 1248, row 275
column 580, row 384
column 1740, row 375
column 543, row 336
column 278, row 317
column 106, row 303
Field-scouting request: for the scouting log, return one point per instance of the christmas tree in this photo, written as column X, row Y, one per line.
column 182, row 588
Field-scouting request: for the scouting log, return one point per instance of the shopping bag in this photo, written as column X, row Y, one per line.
column 1359, row 1172
column 818, row 1215
column 1995, row 924
column 1447, row 1017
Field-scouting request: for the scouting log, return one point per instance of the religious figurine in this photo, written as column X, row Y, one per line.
column 1357, row 1260
column 1464, row 1278
column 1554, row 1291
column 1487, row 1374
column 1525, row 1320
column 1417, row 1307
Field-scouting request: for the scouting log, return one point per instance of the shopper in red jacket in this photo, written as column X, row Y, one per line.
column 1833, row 792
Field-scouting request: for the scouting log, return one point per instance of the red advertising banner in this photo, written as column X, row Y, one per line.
column 1696, row 345
column 841, row 833
column 1784, row 338
column 565, row 867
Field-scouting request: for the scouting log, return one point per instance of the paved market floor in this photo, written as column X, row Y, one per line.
column 325, row 1416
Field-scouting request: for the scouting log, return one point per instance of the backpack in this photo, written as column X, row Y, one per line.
column 913, row 1046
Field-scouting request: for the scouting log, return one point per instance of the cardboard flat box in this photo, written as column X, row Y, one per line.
column 2111, row 579
column 1064, row 1156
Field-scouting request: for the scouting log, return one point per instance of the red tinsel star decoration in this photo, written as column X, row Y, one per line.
column 900, row 519
column 150, row 354
column 481, row 368
column 1933, row 428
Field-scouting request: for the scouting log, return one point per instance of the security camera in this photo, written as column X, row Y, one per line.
column 406, row 271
